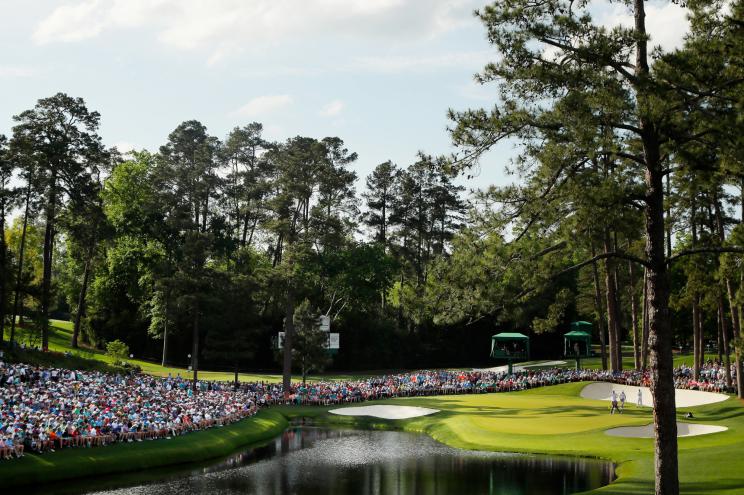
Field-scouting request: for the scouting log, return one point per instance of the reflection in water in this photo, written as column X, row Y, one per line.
column 308, row 461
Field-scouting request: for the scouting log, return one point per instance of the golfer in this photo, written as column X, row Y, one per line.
column 614, row 403
column 640, row 398
column 622, row 401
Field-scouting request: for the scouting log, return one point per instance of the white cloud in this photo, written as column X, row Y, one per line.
column 226, row 26
column 12, row 71
column 72, row 22
column 332, row 109
column 262, row 105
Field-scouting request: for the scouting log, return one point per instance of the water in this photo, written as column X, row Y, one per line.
column 309, row 461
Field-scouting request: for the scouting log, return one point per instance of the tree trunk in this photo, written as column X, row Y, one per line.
column 666, row 461
column 600, row 312
column 736, row 330
column 165, row 332
column 719, row 339
column 660, row 332
column 19, row 276
column 244, row 235
column 81, row 300
column 253, row 230
column 739, row 372
column 668, row 216
column 660, row 340
column 701, row 336
column 195, row 346
column 731, row 299
column 46, row 285
column 619, row 313
column 611, row 296
column 634, row 317
column 736, row 322
column 288, row 334
column 237, row 382
column 696, row 336
column 644, row 322
column 3, row 274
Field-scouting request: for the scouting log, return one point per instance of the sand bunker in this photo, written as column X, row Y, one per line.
column 385, row 412
column 683, row 430
column 683, row 398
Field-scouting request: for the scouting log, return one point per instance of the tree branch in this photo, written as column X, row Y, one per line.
column 601, row 256
column 710, row 249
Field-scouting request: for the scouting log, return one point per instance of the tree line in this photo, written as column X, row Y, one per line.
column 208, row 247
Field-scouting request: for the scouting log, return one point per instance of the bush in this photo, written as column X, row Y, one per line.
column 117, row 350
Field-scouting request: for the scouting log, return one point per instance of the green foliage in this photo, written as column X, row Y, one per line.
column 117, row 350
column 309, row 343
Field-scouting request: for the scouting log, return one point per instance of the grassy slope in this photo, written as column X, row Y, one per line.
column 127, row 457
column 61, row 334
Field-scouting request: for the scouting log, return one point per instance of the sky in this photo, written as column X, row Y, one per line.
column 379, row 74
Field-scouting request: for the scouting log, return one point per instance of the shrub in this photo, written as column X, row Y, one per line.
column 117, row 350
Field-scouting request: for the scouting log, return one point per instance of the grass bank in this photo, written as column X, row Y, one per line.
column 199, row 446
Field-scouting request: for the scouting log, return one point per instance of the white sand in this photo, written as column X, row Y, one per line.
column 385, row 412
column 684, row 398
column 683, row 430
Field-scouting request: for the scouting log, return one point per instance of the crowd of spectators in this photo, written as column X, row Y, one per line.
column 42, row 409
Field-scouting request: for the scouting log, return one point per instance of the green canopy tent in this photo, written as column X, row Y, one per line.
column 511, row 346
column 578, row 342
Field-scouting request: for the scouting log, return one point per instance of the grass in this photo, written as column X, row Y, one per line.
column 550, row 420
column 60, row 335
column 127, row 457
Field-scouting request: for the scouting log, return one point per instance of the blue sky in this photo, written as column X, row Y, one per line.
column 380, row 74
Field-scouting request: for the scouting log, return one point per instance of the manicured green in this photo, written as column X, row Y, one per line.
column 550, row 420
column 136, row 456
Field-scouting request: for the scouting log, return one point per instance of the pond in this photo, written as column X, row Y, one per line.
column 309, row 460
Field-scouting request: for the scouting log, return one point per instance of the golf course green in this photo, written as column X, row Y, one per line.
column 551, row 420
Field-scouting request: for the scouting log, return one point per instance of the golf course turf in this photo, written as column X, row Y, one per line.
column 551, row 420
